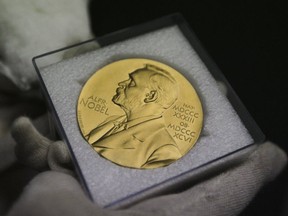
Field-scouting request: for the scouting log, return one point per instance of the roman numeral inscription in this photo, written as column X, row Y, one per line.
column 188, row 116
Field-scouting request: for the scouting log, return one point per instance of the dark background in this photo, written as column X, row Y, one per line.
column 248, row 42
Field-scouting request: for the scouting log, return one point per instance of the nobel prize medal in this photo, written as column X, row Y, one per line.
column 139, row 113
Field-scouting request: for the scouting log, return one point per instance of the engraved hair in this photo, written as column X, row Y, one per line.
column 165, row 85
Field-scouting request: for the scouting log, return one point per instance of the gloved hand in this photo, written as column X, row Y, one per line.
column 29, row 28
column 57, row 192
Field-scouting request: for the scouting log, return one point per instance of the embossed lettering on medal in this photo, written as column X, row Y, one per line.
column 139, row 113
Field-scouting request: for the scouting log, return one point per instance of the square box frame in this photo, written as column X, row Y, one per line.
column 122, row 35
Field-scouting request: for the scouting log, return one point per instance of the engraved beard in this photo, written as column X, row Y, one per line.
column 127, row 103
column 116, row 98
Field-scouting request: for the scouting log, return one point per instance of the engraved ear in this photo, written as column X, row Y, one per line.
column 151, row 96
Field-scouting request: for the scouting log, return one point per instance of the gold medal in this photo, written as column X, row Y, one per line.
column 139, row 113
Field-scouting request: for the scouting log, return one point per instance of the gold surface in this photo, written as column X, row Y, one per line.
column 139, row 113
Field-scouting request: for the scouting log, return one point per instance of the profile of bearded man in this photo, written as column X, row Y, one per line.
column 139, row 139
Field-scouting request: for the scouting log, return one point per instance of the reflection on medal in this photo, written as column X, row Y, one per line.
column 139, row 113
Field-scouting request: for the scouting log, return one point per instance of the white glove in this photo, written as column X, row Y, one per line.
column 57, row 192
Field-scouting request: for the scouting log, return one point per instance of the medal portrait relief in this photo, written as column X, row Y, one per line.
column 136, row 136
column 139, row 137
